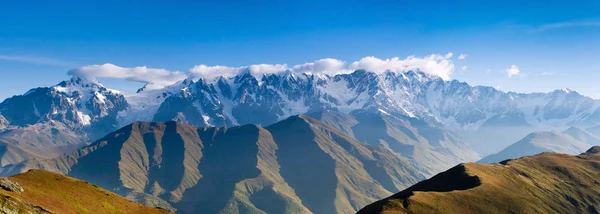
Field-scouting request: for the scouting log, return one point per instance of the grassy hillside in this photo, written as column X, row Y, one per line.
column 544, row 183
column 46, row 192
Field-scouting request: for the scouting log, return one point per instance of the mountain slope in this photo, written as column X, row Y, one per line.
column 239, row 169
column 538, row 142
column 430, row 148
column 46, row 192
column 13, row 154
column 544, row 183
column 326, row 166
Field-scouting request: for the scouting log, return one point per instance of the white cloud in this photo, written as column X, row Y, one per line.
column 435, row 64
column 513, row 70
column 143, row 74
column 464, row 68
column 324, row 66
column 462, row 56
column 37, row 60
column 211, row 72
column 260, row 69
column 449, row 55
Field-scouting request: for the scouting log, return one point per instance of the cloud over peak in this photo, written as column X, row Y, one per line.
column 158, row 76
column 327, row 66
column 435, row 64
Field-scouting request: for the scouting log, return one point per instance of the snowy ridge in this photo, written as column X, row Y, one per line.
column 82, row 104
column 455, row 104
column 89, row 96
column 144, row 104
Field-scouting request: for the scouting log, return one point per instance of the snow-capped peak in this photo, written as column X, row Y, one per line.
column 82, row 86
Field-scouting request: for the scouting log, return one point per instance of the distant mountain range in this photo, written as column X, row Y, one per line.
column 544, row 183
column 80, row 110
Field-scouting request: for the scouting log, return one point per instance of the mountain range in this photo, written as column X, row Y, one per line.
column 82, row 110
column 313, row 143
column 298, row 165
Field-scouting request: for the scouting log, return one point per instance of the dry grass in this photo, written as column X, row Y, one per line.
column 544, row 183
column 61, row 194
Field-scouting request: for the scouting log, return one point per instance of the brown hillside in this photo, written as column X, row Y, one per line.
column 544, row 183
column 49, row 192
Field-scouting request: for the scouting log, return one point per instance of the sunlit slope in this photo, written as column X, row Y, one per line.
column 544, row 183
column 46, row 192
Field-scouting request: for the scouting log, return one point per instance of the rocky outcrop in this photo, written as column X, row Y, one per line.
column 8, row 185
column 10, row 205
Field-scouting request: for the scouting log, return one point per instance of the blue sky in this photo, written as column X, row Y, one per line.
column 554, row 45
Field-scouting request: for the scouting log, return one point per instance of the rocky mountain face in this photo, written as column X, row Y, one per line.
column 544, row 183
column 65, row 116
column 298, row 165
column 78, row 104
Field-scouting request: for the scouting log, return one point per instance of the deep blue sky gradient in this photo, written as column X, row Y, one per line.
column 556, row 44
